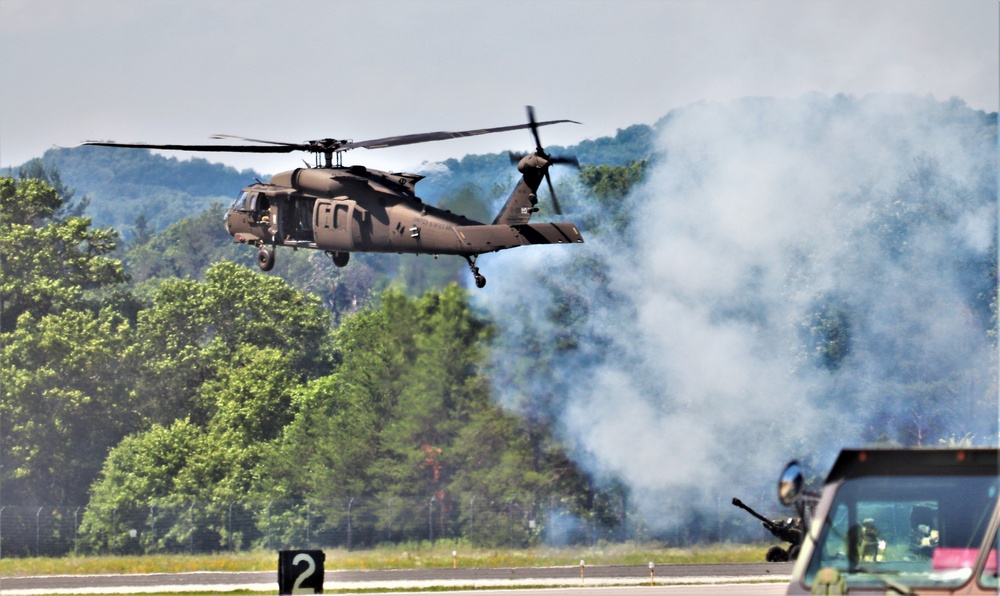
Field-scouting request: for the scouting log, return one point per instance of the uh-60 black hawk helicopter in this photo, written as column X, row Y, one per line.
column 343, row 209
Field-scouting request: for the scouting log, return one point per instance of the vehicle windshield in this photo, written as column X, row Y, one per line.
column 917, row 531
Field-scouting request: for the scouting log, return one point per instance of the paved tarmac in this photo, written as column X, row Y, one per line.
column 774, row 576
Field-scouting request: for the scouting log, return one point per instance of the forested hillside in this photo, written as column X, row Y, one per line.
column 763, row 280
column 124, row 185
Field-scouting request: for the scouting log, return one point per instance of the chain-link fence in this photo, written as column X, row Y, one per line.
column 350, row 523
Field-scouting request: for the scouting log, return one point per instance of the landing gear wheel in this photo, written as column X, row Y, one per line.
column 265, row 258
column 776, row 554
column 480, row 280
column 340, row 258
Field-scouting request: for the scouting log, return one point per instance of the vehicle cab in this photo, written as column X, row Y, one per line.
column 905, row 521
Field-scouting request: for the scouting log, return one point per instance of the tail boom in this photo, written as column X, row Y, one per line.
column 482, row 239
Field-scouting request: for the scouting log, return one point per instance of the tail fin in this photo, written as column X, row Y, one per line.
column 534, row 167
column 519, row 206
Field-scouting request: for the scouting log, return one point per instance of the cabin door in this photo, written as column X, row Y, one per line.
column 332, row 224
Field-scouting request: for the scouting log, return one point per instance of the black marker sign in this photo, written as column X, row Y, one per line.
column 300, row 571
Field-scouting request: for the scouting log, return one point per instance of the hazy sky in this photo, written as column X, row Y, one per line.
column 178, row 71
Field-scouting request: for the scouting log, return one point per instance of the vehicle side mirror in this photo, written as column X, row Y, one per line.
column 790, row 483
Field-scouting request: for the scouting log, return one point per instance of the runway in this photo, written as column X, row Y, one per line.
column 745, row 578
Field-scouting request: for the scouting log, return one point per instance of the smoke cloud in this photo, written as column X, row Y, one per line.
column 795, row 277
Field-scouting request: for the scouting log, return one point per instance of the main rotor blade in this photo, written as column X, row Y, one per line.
column 331, row 145
column 440, row 136
column 220, row 148
column 235, row 138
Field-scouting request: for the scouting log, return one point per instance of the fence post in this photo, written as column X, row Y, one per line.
column 510, row 522
column 191, row 528
column 388, row 520
column 38, row 515
column 430, row 519
column 350, row 527
column 231, row 548
column 76, row 530
column 472, row 521
column 270, row 541
column 152, row 528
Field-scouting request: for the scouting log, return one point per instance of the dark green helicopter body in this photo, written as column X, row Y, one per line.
column 343, row 209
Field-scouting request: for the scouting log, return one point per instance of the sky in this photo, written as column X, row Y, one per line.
column 179, row 71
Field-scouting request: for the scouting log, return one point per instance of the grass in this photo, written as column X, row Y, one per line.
column 406, row 556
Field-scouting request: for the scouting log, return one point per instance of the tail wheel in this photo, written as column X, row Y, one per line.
column 480, row 280
column 340, row 259
column 265, row 258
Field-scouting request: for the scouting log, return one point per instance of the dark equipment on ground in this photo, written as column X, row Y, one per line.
column 343, row 209
column 788, row 530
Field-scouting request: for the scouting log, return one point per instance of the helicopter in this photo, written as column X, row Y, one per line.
column 343, row 209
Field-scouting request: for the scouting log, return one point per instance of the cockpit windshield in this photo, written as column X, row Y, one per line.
column 240, row 204
column 917, row 531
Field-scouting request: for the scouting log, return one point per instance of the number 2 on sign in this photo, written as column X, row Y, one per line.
column 310, row 569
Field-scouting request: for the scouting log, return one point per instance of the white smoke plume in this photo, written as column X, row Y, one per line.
column 797, row 276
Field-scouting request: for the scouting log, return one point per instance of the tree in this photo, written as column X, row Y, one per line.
column 37, row 170
column 610, row 185
column 48, row 265
column 407, row 414
column 141, row 232
column 217, row 364
column 27, row 201
column 141, row 469
column 194, row 327
column 61, row 351
column 185, row 249
column 65, row 403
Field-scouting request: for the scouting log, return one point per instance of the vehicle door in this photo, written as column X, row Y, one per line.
column 332, row 224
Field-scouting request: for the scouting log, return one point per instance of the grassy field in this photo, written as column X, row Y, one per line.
column 406, row 556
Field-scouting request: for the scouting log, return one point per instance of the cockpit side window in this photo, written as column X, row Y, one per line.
column 240, row 203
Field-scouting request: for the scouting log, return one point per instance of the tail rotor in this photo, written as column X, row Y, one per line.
column 547, row 159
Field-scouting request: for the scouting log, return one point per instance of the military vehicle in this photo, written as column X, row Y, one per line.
column 787, row 530
column 343, row 209
column 905, row 521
